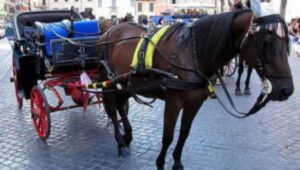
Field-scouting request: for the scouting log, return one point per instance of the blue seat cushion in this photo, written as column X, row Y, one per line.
column 59, row 30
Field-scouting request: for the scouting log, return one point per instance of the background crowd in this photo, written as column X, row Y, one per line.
column 294, row 30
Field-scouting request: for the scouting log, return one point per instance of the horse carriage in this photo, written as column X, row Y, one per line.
column 177, row 69
column 46, row 56
column 231, row 67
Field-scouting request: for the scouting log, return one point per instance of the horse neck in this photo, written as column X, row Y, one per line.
column 240, row 26
column 211, row 41
column 211, row 59
column 210, row 67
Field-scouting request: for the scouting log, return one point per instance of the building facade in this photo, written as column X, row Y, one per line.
column 164, row 6
column 145, row 7
column 186, row 6
column 196, row 6
column 7, row 9
column 104, row 8
column 10, row 7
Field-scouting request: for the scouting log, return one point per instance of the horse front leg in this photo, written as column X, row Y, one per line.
column 123, row 107
column 172, row 108
column 110, row 107
column 247, row 82
column 238, row 91
column 189, row 113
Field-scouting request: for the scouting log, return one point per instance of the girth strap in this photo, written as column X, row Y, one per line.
column 182, row 85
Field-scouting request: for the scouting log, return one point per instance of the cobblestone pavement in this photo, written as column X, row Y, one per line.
column 268, row 140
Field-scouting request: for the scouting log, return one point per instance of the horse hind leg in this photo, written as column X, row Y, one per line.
column 238, row 91
column 247, row 82
column 172, row 109
column 188, row 116
column 123, row 107
column 111, row 110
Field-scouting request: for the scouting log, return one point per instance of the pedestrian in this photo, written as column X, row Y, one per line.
column 294, row 37
column 298, row 23
column 161, row 22
column 145, row 22
column 294, row 30
column 151, row 25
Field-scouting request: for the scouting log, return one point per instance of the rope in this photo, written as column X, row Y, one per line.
column 261, row 101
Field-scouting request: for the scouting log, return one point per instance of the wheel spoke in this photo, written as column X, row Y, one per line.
column 44, row 126
column 40, row 111
column 38, row 123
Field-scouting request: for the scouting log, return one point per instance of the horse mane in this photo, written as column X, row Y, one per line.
column 212, row 35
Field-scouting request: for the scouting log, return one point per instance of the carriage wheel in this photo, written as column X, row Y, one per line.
column 231, row 67
column 16, row 84
column 40, row 113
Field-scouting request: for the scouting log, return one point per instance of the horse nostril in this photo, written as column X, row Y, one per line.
column 285, row 92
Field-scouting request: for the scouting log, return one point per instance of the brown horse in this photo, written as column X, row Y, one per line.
column 199, row 50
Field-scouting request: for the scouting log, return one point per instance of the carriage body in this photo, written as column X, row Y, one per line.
column 53, row 48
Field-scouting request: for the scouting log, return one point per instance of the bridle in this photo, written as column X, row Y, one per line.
column 252, row 29
column 256, row 23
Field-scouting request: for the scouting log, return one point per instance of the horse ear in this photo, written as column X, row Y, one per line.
column 256, row 7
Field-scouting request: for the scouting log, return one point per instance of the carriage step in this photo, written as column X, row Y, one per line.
column 12, row 79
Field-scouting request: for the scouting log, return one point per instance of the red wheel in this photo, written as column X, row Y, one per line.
column 231, row 67
column 16, row 84
column 40, row 113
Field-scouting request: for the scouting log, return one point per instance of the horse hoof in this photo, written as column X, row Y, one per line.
column 247, row 92
column 124, row 151
column 178, row 166
column 127, row 139
column 160, row 168
column 238, row 92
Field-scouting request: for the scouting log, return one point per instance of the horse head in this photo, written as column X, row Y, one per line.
column 264, row 44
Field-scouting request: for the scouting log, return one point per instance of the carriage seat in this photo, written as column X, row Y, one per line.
column 46, row 32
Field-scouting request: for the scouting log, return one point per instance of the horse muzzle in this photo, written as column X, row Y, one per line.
column 281, row 88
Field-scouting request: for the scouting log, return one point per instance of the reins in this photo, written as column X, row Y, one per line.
column 263, row 99
column 212, row 91
column 240, row 115
column 247, row 34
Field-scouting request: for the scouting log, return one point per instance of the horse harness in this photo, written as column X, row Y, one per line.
column 169, row 80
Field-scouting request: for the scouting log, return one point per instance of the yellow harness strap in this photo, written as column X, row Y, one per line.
column 150, row 48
